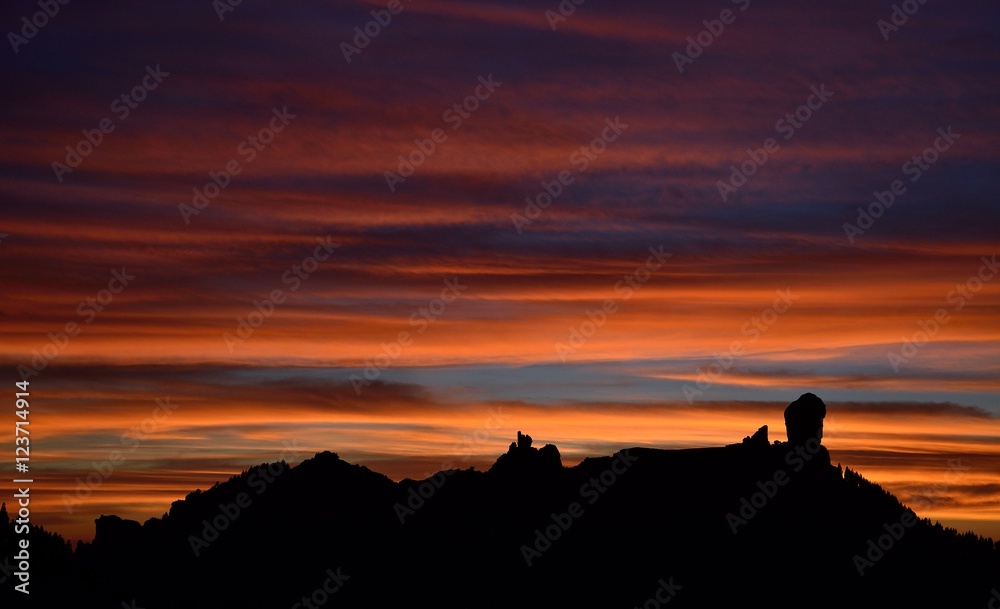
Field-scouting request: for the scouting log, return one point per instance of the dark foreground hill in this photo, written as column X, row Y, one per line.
column 750, row 524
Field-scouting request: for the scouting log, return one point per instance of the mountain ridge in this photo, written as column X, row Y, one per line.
column 641, row 527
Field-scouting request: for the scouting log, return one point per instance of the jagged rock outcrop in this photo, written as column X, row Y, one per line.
column 804, row 426
column 760, row 436
column 804, row 419
column 523, row 458
column 114, row 532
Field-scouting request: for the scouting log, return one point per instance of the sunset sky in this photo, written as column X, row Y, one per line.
column 263, row 271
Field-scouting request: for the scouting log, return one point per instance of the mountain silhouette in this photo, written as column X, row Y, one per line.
column 755, row 523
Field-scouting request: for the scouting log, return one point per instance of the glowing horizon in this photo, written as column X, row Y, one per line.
column 566, row 253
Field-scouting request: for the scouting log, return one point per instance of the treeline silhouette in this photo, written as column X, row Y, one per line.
column 756, row 523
